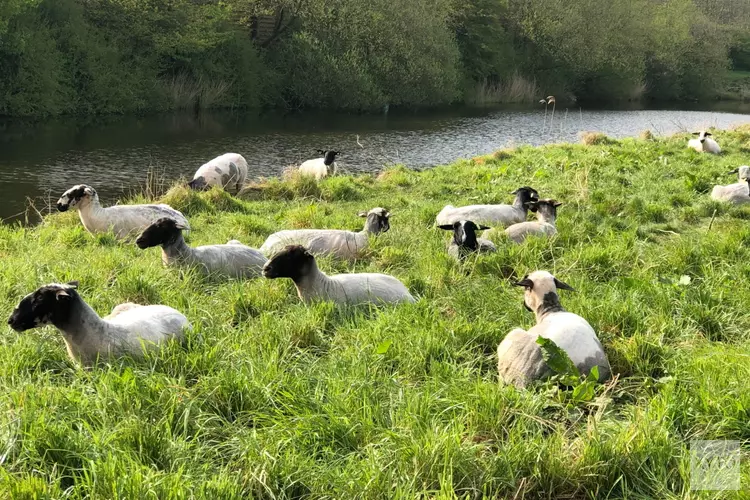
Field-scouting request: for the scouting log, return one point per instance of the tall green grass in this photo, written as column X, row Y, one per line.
column 269, row 398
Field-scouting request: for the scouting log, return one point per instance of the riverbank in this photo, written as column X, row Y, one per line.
column 270, row 398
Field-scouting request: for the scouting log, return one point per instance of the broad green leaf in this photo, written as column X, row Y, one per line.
column 557, row 359
column 383, row 347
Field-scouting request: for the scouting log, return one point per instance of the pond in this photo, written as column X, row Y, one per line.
column 115, row 154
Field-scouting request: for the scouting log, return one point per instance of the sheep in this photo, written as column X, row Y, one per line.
column 297, row 263
column 228, row 171
column 335, row 242
column 123, row 220
column 735, row 193
column 128, row 330
column 503, row 215
column 465, row 241
column 320, row 167
column 233, row 259
column 704, row 144
column 519, row 357
column 546, row 213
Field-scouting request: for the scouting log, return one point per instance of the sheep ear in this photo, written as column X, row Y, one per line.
column 484, row 228
column 526, row 283
column 388, row 215
column 73, row 284
column 88, row 191
column 707, row 134
column 447, row 227
column 696, row 133
column 180, row 226
column 556, row 204
column 362, row 214
column 563, row 286
column 735, row 171
column 62, row 295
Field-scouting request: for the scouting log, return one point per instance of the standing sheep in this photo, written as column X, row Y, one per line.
column 233, row 259
column 519, row 357
column 128, row 330
column 228, row 171
column 704, row 143
column 338, row 243
column 346, row 289
column 491, row 215
column 320, row 167
column 123, row 220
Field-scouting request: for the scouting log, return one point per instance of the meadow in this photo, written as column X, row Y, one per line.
column 270, row 398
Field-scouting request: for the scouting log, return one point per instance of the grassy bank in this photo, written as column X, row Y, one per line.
column 272, row 399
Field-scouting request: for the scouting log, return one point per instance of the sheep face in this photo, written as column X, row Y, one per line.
column 464, row 233
column 198, row 184
column 702, row 135
column 50, row 304
column 293, row 262
column 526, row 194
column 547, row 208
column 378, row 220
column 164, row 231
column 76, row 197
column 329, row 156
column 743, row 171
column 541, row 290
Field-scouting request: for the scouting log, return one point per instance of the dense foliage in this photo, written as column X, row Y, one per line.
column 104, row 56
column 273, row 399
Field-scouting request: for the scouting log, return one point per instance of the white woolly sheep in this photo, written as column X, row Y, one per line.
column 228, row 171
column 491, row 215
column 233, row 259
column 128, row 330
column 338, row 243
column 546, row 213
column 520, row 359
column 123, row 220
column 320, row 167
column 704, row 143
column 346, row 289
column 736, row 193
column 465, row 241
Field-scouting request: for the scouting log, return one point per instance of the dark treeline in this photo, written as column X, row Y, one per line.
column 116, row 56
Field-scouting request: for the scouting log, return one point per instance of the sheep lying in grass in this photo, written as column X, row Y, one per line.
column 704, row 143
column 546, row 213
column 228, row 171
column 126, row 331
column 736, row 193
column 320, row 167
column 123, row 220
column 520, row 358
column 491, row 215
column 338, row 243
column 346, row 289
column 465, row 241
column 233, row 259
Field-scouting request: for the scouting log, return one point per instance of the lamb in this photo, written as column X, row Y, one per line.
column 297, row 263
column 546, row 213
column 228, row 171
column 704, row 144
column 128, row 330
column 320, row 167
column 501, row 215
column 465, row 240
column 123, row 220
column 233, row 259
column 736, row 193
column 520, row 358
column 338, row 243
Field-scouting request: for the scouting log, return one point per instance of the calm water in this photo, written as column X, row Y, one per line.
column 113, row 155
